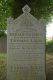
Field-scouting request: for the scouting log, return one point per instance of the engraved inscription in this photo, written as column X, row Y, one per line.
column 26, row 48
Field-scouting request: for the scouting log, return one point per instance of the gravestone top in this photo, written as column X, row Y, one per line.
column 26, row 9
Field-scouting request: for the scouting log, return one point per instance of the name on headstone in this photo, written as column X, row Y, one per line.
column 26, row 47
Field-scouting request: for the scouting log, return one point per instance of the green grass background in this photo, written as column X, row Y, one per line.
column 2, row 66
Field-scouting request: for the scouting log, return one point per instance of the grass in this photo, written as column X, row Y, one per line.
column 49, row 66
column 2, row 56
column 2, row 66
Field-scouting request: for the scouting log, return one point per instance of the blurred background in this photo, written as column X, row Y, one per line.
column 39, row 8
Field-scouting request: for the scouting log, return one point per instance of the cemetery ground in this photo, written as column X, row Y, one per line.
column 49, row 67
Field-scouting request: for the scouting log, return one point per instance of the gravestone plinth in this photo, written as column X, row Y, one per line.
column 26, row 47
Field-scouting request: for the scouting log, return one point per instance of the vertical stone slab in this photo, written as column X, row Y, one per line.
column 26, row 47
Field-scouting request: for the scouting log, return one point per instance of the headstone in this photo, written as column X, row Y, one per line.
column 26, row 47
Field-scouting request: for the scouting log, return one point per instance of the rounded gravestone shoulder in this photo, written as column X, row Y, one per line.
column 9, row 20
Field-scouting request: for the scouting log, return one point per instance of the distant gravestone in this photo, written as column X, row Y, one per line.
column 26, row 47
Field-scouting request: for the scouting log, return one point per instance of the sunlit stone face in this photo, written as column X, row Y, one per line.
column 26, row 49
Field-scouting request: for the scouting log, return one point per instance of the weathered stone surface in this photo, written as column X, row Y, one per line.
column 26, row 47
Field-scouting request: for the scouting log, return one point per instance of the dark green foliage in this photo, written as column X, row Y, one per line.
column 49, row 46
column 39, row 8
column 2, row 33
column 4, row 13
